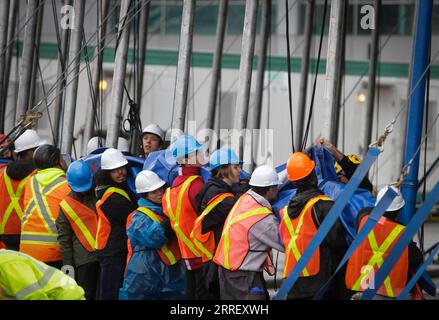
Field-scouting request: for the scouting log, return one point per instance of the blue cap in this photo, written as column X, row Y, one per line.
column 223, row 156
column 184, row 145
column 79, row 176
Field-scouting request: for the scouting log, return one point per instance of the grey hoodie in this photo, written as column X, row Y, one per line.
column 262, row 237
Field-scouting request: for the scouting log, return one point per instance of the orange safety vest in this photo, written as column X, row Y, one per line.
column 104, row 227
column 296, row 234
column 38, row 231
column 83, row 220
column 178, row 207
column 11, row 206
column 206, row 242
column 370, row 255
column 170, row 252
column 245, row 214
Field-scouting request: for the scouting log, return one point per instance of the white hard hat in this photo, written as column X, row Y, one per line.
column 264, row 176
column 147, row 181
column 112, row 159
column 28, row 140
column 155, row 129
column 397, row 203
column 93, row 144
column 123, row 145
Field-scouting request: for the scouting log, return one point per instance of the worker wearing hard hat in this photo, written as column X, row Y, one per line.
column 153, row 139
column 371, row 253
column 43, row 193
column 250, row 231
column 24, row 278
column 216, row 199
column 300, row 220
column 123, row 146
column 180, row 205
column 76, row 224
column 345, row 165
column 95, row 143
column 116, row 203
column 12, row 181
column 154, row 270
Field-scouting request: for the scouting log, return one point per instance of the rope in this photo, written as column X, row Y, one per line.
column 290, row 98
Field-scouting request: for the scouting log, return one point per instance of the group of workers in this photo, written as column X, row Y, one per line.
column 187, row 240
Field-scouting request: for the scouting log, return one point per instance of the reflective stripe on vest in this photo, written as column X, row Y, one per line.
column 165, row 250
column 40, row 206
column 14, row 200
column 377, row 259
column 104, row 228
column 232, row 220
column 208, row 254
column 175, row 218
column 294, row 233
column 83, row 222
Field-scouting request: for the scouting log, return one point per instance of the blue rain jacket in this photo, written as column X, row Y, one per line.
column 146, row 276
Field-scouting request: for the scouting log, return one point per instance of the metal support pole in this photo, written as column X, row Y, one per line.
column 73, row 78
column 372, row 76
column 245, row 67
column 4, row 12
column 255, row 121
column 330, row 111
column 12, row 21
column 27, row 58
column 136, row 145
column 35, row 74
column 310, row 5
column 420, row 57
column 62, row 59
column 96, row 71
column 120, row 65
column 216, row 66
column 184, row 62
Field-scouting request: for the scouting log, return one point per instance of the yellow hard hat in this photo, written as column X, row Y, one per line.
column 355, row 159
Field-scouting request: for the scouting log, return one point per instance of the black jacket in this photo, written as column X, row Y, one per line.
column 72, row 251
column 332, row 249
column 349, row 168
column 116, row 209
column 214, row 221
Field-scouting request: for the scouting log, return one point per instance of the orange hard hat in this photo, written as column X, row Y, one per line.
column 299, row 166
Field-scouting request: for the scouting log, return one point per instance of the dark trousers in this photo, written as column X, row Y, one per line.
column 242, row 285
column 196, row 285
column 87, row 276
column 111, row 276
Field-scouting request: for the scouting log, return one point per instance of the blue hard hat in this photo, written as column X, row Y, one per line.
column 79, row 176
column 184, row 145
column 223, row 156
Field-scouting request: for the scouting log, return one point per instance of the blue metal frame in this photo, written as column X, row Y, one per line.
column 415, row 114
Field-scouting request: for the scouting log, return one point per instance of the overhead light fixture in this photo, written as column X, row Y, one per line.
column 103, row 85
column 361, row 97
